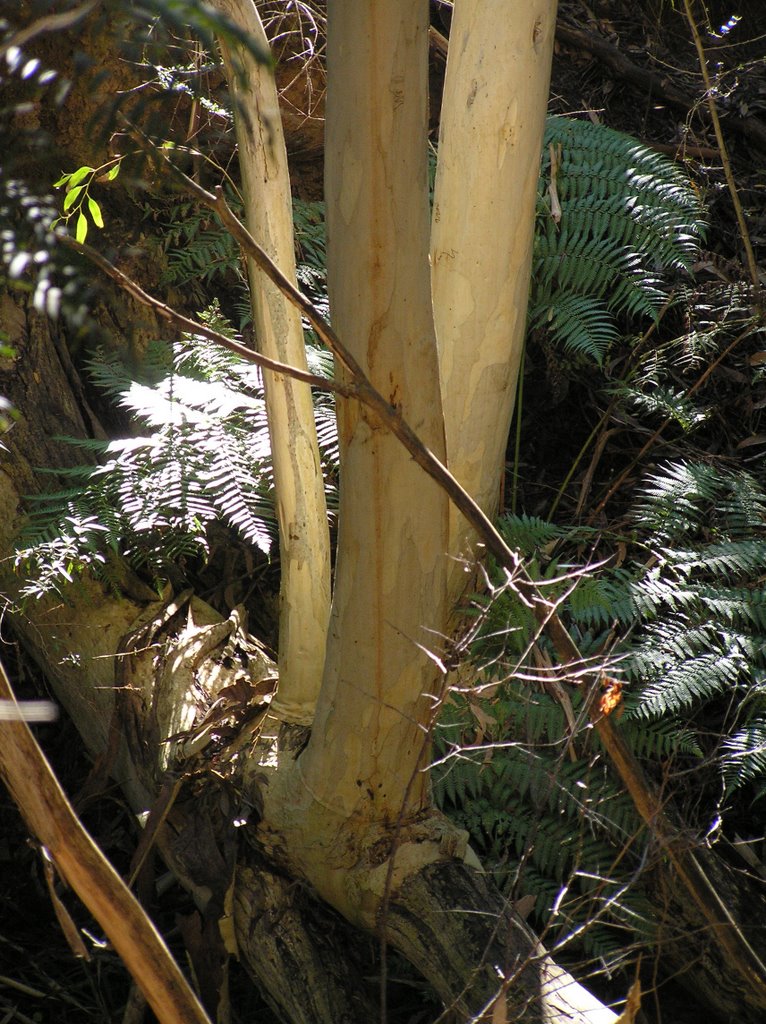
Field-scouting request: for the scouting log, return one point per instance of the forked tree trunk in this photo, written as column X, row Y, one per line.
column 350, row 814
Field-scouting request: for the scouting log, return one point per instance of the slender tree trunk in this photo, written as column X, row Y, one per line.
column 304, row 539
column 368, row 747
column 493, row 116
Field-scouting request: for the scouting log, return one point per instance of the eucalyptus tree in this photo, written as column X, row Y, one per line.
column 331, row 776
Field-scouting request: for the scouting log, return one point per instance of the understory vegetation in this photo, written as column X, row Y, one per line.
column 667, row 600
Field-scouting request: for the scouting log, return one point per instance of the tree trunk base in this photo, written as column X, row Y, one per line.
column 307, row 961
column 476, row 951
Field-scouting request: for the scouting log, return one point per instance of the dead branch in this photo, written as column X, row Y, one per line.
column 49, row 815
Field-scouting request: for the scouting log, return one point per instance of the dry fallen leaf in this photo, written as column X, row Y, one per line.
column 632, row 1004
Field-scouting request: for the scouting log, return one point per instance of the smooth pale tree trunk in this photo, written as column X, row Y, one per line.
column 351, row 813
column 306, row 958
column 304, row 540
column 492, row 120
column 361, row 782
column 368, row 747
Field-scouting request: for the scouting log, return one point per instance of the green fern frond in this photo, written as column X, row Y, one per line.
column 528, row 534
column 201, row 454
column 627, row 189
column 687, row 684
column 744, row 756
column 669, row 500
column 580, row 323
column 627, row 220
column 664, row 401
column 599, row 601
column 661, row 738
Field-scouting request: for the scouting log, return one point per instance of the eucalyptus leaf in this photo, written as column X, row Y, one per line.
column 71, row 197
column 79, row 175
column 95, row 212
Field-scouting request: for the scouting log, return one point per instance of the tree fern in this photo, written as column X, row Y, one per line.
column 200, row 251
column 688, row 609
column 539, row 821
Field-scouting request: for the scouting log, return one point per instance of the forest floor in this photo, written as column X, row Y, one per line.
column 632, row 67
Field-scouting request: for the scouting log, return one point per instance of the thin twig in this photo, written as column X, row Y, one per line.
column 165, row 312
column 752, row 266
column 658, row 432
column 648, row 82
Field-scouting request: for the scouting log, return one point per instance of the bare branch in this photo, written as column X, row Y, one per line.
column 50, row 816
column 192, row 327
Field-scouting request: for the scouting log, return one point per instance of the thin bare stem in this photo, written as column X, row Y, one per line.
column 165, row 312
column 752, row 266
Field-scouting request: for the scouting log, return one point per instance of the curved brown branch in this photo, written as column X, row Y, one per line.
column 165, row 312
column 50, row 817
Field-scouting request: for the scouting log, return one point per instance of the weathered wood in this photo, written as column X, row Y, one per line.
column 51, row 818
column 308, row 961
column 454, row 926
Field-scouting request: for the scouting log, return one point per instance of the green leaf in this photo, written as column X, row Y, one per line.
column 111, row 175
column 62, row 180
column 95, row 212
column 79, row 174
column 71, row 196
column 82, row 227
